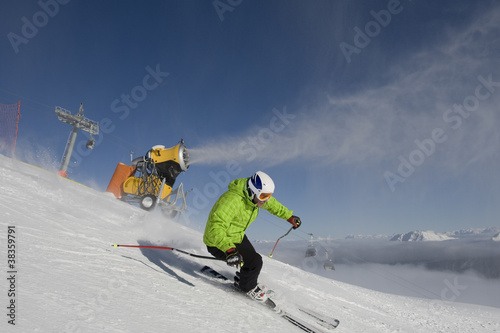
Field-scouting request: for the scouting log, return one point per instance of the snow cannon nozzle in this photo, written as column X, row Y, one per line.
column 169, row 161
column 184, row 156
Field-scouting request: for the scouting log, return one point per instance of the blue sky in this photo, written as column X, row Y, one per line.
column 371, row 116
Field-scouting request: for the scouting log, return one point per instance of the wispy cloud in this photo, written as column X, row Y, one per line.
column 381, row 122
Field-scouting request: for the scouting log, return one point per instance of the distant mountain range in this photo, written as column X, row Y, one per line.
column 461, row 251
column 476, row 250
column 474, row 234
column 420, row 236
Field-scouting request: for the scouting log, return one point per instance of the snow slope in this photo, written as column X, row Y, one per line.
column 70, row 279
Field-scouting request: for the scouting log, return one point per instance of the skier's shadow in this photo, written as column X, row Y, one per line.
column 158, row 257
column 166, row 260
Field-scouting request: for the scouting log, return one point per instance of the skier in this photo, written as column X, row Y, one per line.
column 231, row 215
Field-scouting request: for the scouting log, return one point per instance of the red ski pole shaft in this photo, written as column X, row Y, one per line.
column 271, row 255
column 167, row 248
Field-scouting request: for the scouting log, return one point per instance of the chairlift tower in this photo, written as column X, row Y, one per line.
column 79, row 122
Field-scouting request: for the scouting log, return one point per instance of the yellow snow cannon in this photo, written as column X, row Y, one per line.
column 150, row 178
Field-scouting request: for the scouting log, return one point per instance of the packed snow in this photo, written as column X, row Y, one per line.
column 69, row 278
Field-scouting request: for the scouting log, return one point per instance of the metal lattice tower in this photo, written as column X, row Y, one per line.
column 79, row 122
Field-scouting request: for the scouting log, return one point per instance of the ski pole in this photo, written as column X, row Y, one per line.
column 271, row 255
column 168, row 248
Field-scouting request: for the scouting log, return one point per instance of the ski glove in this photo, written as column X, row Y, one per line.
column 233, row 258
column 295, row 221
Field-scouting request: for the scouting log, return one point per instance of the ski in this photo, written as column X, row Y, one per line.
column 211, row 272
column 270, row 304
column 303, row 326
column 299, row 323
column 325, row 321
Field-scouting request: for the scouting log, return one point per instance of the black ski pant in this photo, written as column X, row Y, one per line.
column 252, row 263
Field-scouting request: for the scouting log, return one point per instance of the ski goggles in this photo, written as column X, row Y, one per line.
column 265, row 196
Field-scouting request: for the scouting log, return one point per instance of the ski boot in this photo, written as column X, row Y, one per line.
column 259, row 293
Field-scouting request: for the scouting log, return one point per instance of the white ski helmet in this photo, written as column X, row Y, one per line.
column 261, row 185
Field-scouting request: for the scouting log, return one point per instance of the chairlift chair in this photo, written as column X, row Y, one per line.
column 90, row 143
column 328, row 265
column 311, row 249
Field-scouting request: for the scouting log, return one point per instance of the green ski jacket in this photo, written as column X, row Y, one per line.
column 233, row 213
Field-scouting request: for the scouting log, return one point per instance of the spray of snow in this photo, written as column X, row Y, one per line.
column 370, row 126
